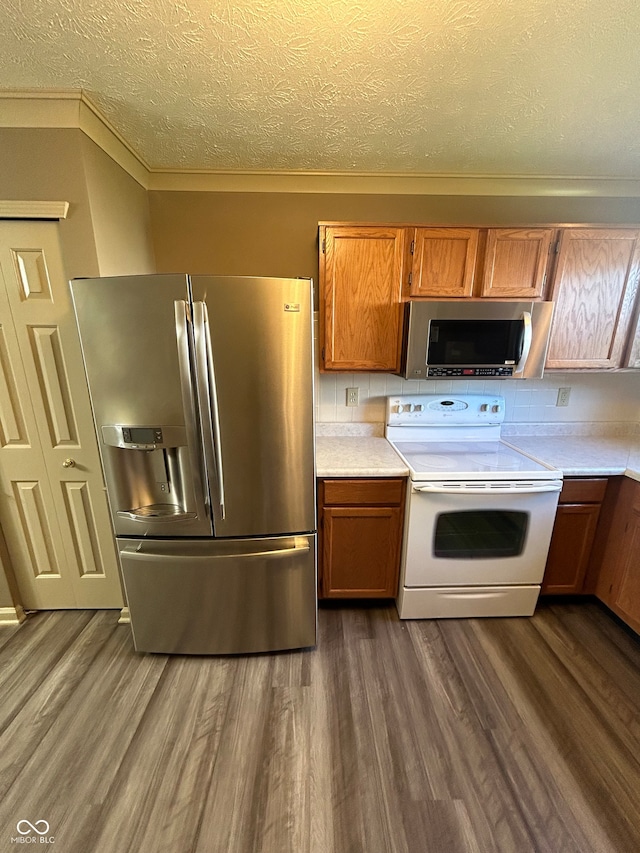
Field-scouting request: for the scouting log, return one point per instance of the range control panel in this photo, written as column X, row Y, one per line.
column 444, row 410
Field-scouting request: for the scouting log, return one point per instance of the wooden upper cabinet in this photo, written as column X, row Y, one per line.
column 594, row 289
column 361, row 274
column 444, row 262
column 515, row 262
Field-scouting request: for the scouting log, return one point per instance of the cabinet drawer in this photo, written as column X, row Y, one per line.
column 583, row 491
column 363, row 492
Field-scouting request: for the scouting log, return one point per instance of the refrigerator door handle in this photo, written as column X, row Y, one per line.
column 189, row 408
column 208, row 399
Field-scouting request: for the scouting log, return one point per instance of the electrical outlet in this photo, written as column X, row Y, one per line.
column 353, row 395
column 563, row 396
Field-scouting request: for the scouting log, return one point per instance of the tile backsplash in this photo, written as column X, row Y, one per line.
column 597, row 397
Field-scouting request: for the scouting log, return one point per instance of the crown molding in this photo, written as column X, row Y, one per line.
column 33, row 209
column 391, row 184
column 73, row 108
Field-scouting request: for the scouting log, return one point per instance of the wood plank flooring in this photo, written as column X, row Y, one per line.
column 450, row 736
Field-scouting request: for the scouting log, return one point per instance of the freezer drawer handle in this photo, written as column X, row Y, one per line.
column 488, row 488
column 282, row 552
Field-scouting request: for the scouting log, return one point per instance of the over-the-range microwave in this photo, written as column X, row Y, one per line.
column 475, row 340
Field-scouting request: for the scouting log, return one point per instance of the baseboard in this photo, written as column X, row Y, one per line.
column 125, row 617
column 12, row 615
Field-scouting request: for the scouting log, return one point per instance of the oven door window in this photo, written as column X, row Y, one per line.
column 480, row 534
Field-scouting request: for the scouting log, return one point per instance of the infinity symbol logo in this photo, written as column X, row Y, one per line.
column 32, row 827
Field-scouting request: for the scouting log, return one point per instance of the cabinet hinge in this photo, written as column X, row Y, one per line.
column 324, row 247
column 410, row 278
column 412, row 247
column 323, row 353
column 556, row 247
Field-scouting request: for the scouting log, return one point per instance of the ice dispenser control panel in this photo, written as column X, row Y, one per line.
column 132, row 437
column 142, row 435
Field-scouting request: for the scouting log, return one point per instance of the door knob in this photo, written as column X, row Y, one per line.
column 69, row 463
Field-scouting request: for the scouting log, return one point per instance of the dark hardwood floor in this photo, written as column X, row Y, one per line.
column 451, row 736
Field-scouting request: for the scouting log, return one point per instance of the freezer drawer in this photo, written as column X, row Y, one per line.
column 206, row 596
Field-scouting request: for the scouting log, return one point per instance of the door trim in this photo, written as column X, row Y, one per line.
column 33, row 209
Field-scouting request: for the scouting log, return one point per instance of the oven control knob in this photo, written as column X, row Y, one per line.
column 419, row 408
column 409, row 407
column 484, row 407
column 496, row 408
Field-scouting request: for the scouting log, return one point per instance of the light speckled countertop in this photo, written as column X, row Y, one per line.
column 357, row 456
column 583, row 455
column 370, row 455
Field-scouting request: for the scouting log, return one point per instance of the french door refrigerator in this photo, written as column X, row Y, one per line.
column 202, row 395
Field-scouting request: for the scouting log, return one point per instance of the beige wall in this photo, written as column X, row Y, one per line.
column 120, row 215
column 107, row 230
column 47, row 165
column 276, row 233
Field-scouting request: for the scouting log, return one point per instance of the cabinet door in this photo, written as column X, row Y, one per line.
column 570, row 548
column 361, row 272
column 627, row 590
column 594, row 289
column 444, row 262
column 360, row 552
column 633, row 351
column 516, row 262
column 618, row 583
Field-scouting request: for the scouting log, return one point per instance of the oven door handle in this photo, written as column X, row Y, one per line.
column 463, row 489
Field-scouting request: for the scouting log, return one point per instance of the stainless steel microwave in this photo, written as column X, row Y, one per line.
column 476, row 339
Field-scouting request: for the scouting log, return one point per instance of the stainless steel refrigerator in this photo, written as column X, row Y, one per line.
column 202, row 395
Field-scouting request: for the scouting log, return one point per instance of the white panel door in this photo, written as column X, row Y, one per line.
column 53, row 506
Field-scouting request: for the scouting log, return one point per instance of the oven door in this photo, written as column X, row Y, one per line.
column 479, row 534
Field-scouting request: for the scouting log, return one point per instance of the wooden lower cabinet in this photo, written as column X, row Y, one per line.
column 573, row 535
column 618, row 583
column 360, row 537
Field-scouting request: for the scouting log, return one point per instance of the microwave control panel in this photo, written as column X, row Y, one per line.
column 470, row 372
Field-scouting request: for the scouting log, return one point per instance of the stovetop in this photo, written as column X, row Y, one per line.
column 457, row 437
column 471, row 460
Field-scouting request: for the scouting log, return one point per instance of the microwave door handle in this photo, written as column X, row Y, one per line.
column 526, row 343
column 208, row 399
column 189, row 407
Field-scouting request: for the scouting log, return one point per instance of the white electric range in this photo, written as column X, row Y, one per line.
column 480, row 513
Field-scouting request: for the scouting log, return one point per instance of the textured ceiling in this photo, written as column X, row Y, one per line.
column 505, row 87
